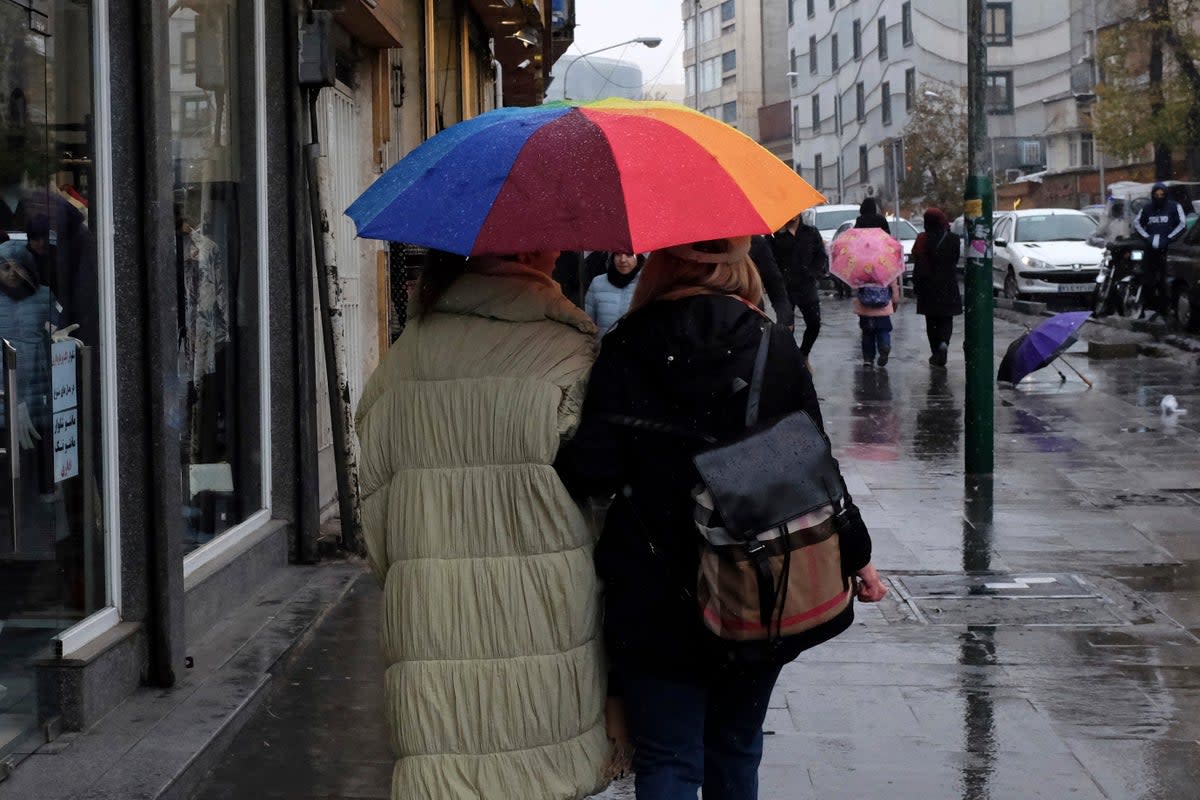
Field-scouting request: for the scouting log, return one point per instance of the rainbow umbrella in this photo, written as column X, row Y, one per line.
column 616, row 175
column 862, row 256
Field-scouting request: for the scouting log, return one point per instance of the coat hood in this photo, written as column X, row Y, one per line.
column 868, row 207
column 512, row 292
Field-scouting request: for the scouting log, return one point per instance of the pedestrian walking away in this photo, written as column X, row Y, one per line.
column 869, row 216
column 769, row 272
column 1160, row 223
column 685, row 358
column 491, row 629
column 610, row 294
column 875, row 306
column 802, row 258
column 935, row 282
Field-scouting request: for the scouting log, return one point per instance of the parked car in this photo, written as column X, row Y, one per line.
column 1183, row 272
column 1045, row 251
column 827, row 218
column 903, row 230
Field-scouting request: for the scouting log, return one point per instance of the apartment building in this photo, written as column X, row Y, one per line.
column 735, row 66
column 857, row 66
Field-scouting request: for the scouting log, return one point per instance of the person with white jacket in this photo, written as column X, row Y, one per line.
column 610, row 295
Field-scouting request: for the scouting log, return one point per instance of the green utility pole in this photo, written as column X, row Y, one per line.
column 977, row 214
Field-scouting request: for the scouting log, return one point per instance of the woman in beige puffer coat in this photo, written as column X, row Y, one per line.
column 491, row 622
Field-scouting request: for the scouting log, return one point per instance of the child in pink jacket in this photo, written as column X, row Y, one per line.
column 874, row 306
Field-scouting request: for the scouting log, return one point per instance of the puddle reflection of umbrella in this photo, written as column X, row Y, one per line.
column 615, row 175
column 1042, row 345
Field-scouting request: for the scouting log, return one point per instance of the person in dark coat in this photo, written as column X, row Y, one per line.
column 683, row 356
column 1161, row 222
column 802, row 258
column 935, row 282
column 575, row 273
column 772, row 280
column 869, row 216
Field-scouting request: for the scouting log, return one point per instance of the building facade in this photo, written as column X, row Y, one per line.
column 594, row 78
column 735, row 64
column 161, row 404
column 858, row 65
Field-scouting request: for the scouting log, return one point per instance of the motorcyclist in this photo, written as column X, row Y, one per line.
column 1160, row 223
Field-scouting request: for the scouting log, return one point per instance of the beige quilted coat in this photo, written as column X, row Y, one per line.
column 491, row 623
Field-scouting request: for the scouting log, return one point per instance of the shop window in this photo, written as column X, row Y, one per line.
column 217, row 272
column 906, row 32
column 53, row 519
column 998, row 24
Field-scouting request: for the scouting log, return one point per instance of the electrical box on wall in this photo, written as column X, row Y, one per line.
column 317, row 65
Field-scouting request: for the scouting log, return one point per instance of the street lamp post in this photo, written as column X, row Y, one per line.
column 649, row 41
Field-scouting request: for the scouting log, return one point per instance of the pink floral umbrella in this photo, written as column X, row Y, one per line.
column 863, row 256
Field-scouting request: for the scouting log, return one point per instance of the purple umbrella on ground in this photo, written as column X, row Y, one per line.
column 1041, row 345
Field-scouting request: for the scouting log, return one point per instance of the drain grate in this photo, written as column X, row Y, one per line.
column 1055, row 599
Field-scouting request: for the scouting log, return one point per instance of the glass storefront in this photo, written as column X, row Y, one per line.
column 212, row 125
column 52, row 553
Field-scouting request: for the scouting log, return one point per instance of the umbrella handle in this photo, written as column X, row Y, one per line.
column 1077, row 372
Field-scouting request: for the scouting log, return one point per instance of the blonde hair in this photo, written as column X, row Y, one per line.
column 669, row 277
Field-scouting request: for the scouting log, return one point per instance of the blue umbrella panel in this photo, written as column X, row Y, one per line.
column 1041, row 345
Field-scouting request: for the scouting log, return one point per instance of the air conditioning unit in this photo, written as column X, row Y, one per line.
column 1011, row 175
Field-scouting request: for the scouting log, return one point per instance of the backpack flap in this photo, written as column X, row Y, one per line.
column 774, row 474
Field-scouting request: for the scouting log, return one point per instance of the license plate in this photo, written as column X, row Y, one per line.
column 1074, row 288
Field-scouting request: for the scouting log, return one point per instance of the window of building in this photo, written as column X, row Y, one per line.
column 906, row 32
column 837, row 112
column 833, row 51
column 1030, row 151
column 1087, row 150
column 832, row 4
column 729, row 61
column 791, row 12
column 811, row 9
column 795, row 123
column 689, row 33
column 57, row 529
column 812, row 55
column 999, row 92
column 910, row 88
column 689, row 81
column 883, row 43
column 864, row 171
column 727, row 11
column 816, row 113
column 710, row 28
column 860, row 102
column 187, row 52
column 710, row 74
column 856, row 39
column 212, row 141
column 729, row 112
column 885, row 102
column 998, row 23
column 818, row 172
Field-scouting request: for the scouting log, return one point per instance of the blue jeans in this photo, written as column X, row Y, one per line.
column 687, row 735
column 876, row 333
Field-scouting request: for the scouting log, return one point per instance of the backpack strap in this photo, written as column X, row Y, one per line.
column 756, row 381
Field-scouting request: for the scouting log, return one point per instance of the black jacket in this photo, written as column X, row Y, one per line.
column 869, row 216
column 675, row 362
column 574, row 273
column 802, row 259
column 772, row 279
column 935, row 275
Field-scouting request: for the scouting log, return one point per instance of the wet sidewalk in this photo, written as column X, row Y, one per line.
column 1038, row 643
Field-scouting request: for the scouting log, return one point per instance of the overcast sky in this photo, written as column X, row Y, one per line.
column 600, row 23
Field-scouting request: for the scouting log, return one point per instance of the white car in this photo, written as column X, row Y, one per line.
column 1043, row 252
column 826, row 219
column 903, row 230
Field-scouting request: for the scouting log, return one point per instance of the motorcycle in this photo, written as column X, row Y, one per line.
column 1119, row 284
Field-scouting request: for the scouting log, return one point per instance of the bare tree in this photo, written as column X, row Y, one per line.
column 935, row 148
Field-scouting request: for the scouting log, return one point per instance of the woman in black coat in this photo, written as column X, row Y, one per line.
column 935, row 282
column 684, row 356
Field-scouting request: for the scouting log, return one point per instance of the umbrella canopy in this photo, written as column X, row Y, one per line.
column 863, row 256
column 1041, row 345
column 616, row 175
